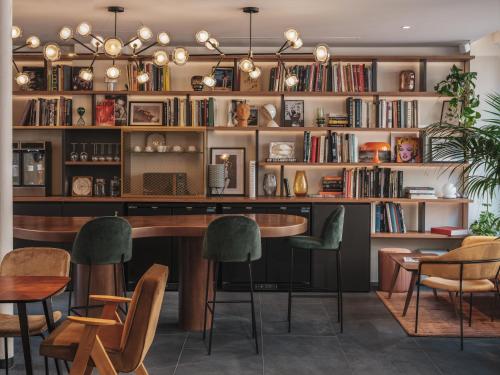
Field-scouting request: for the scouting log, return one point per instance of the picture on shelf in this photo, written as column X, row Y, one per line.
column 37, row 75
column 105, row 113
column 434, row 148
column 81, row 186
column 224, row 77
column 253, row 120
column 76, row 82
column 394, row 137
column 451, row 114
column 234, row 168
column 146, row 113
column 120, row 108
column 294, row 113
column 281, row 151
column 407, row 150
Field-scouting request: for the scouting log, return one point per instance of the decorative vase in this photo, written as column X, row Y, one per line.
column 300, row 184
column 270, row 184
column 197, row 83
column 242, row 114
column 375, row 147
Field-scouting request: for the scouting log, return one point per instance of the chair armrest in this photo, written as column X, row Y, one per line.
column 111, row 299
column 92, row 321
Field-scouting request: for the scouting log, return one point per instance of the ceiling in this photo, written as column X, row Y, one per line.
column 336, row 22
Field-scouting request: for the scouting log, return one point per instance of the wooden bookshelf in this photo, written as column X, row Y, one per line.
column 416, row 235
column 358, row 165
column 93, row 163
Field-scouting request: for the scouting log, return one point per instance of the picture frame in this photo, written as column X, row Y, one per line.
column 82, row 186
column 224, row 78
column 236, row 168
column 294, row 113
column 146, row 113
column 407, row 149
column 434, row 143
column 120, row 108
column 253, row 120
column 105, row 112
column 77, row 83
column 393, row 137
column 451, row 115
column 281, row 151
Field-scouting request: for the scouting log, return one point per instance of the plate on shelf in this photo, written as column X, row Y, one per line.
column 155, row 139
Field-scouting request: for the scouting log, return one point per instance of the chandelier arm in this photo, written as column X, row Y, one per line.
column 146, row 48
column 93, row 61
column 282, row 48
column 131, row 41
column 221, row 57
column 18, row 48
column 15, row 66
column 84, row 45
column 250, row 50
column 288, row 45
column 216, row 48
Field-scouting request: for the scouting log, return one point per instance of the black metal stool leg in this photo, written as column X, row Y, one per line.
column 124, row 285
column 206, row 302
column 88, row 290
column 340, row 302
column 254, row 328
column 213, row 309
column 290, row 286
column 6, row 352
column 470, row 310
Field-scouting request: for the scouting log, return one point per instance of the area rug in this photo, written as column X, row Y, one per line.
column 437, row 316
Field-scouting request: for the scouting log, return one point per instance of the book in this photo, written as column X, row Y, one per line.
column 450, row 231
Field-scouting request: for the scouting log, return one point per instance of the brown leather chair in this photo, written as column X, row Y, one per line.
column 31, row 261
column 468, row 269
column 106, row 343
column 472, row 240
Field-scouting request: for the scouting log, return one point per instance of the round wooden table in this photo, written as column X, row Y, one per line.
column 189, row 228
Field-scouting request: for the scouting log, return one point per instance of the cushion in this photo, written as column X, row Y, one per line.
column 9, row 324
column 305, row 242
column 468, row 286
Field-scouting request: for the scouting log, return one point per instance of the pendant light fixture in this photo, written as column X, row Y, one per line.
column 247, row 64
column 51, row 52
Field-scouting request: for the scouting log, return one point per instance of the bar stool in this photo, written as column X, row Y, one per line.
column 230, row 239
column 105, row 240
column 331, row 239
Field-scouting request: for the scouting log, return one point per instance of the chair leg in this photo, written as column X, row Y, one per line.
column 88, row 290
column 254, row 328
column 69, row 302
column 141, row 370
column 494, row 306
column 416, row 309
column 6, row 352
column 340, row 302
column 470, row 310
column 461, row 321
column 205, row 315
column 213, row 309
column 290, row 286
column 124, row 277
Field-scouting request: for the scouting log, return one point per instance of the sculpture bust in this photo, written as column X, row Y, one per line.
column 242, row 114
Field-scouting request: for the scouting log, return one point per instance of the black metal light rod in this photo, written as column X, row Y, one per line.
column 84, row 45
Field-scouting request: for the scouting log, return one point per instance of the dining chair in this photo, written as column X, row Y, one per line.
column 31, row 261
column 467, row 269
column 471, row 240
column 104, row 240
column 330, row 240
column 230, row 239
column 107, row 343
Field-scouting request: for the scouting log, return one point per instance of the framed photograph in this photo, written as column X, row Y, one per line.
column 234, row 162
column 434, row 147
column 394, row 136
column 81, row 186
column 294, row 113
column 76, row 82
column 281, row 151
column 105, row 113
column 407, row 150
column 253, row 120
column 451, row 115
column 38, row 78
column 224, row 78
column 146, row 113
column 120, row 108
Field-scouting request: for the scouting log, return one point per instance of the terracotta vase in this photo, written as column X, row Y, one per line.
column 300, row 184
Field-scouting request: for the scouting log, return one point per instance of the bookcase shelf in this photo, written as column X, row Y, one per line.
column 94, row 163
column 355, row 165
column 415, row 235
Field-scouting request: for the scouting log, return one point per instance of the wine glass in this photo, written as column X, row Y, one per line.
column 117, row 154
column 109, row 156
column 94, row 153
column 101, row 156
column 83, row 155
column 74, row 156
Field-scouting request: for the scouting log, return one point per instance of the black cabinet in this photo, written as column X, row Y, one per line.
column 355, row 249
column 92, row 209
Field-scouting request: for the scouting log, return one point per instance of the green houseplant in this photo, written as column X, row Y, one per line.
column 487, row 224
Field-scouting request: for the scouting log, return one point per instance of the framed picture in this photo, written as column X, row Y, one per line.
column 282, row 151
column 434, row 150
column 38, row 78
column 394, row 136
column 120, row 108
column 294, row 113
column 105, row 113
column 253, row 120
column 146, row 113
column 407, row 150
column 451, row 115
column 224, row 78
column 81, row 186
column 76, row 82
column 234, row 162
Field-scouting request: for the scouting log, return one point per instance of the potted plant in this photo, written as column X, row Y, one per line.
column 487, row 224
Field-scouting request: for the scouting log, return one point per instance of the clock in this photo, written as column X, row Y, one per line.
column 82, row 186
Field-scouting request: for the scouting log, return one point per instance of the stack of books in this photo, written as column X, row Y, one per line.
column 372, row 183
column 48, row 112
column 332, row 186
column 389, row 218
column 331, row 148
column 450, row 231
column 339, row 121
column 420, row 192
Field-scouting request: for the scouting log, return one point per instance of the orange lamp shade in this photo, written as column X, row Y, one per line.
column 375, row 147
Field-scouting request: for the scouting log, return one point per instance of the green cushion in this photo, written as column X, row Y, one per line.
column 104, row 240
column 305, row 242
column 232, row 239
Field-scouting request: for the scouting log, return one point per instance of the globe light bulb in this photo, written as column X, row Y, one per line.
column 135, row 43
column 160, row 58
column 22, row 79
column 291, row 35
column 113, row 47
column 51, row 52
column 209, row 81
column 291, row 80
column 202, row 36
column 212, row 43
column 297, row 44
column 144, row 33
column 142, row 77
column 246, row 65
column 321, row 53
column 112, row 72
column 97, row 41
column 65, row 33
column 180, row 56
column 163, row 38
column 86, row 74
column 255, row 73
column 33, row 42
column 16, row 32
column 84, row 29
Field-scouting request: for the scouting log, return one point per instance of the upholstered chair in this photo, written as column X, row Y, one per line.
column 107, row 343
column 31, row 261
column 330, row 239
column 105, row 240
column 230, row 239
column 471, row 240
column 468, row 269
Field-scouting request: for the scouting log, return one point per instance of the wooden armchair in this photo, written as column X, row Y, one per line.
column 468, row 269
column 107, row 343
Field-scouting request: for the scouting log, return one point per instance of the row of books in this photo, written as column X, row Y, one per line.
column 331, row 148
column 338, row 77
column 183, row 112
column 47, row 112
column 389, row 218
column 372, row 183
column 159, row 77
column 381, row 114
column 420, row 192
column 55, row 78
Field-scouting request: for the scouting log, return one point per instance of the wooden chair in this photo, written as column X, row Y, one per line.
column 107, row 343
column 31, row 261
column 468, row 269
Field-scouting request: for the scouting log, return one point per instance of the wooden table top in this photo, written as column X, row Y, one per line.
column 64, row 229
column 30, row 288
column 410, row 266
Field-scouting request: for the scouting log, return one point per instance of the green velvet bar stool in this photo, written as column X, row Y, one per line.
column 230, row 239
column 330, row 239
column 104, row 240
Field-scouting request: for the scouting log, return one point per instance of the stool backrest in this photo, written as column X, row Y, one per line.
column 104, row 240
column 232, row 239
column 35, row 261
column 333, row 228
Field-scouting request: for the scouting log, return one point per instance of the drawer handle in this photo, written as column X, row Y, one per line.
column 189, row 208
column 248, row 208
column 154, row 207
column 283, row 208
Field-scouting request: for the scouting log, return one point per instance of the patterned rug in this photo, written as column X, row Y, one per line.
column 437, row 316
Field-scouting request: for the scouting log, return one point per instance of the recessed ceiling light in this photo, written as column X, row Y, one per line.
column 406, row 27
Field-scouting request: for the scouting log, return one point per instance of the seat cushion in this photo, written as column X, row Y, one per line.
column 9, row 324
column 468, row 286
column 305, row 242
